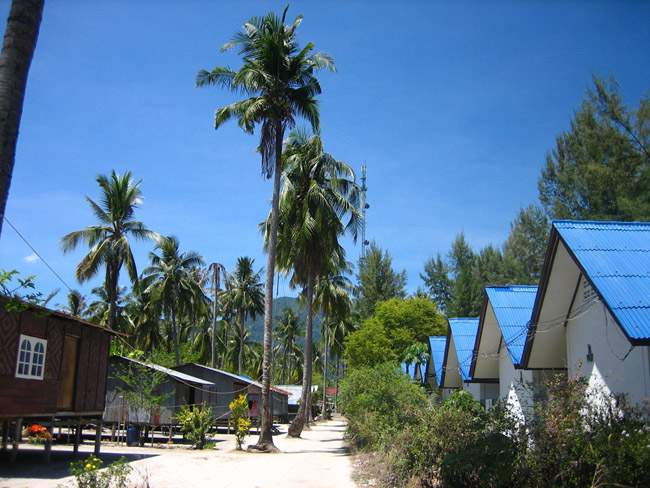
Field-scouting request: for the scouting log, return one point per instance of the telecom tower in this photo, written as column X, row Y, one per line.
column 364, row 206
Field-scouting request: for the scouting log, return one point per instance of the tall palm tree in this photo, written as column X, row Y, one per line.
column 317, row 193
column 15, row 59
column 171, row 284
column 333, row 299
column 278, row 77
column 109, row 240
column 212, row 275
column 244, row 297
column 288, row 329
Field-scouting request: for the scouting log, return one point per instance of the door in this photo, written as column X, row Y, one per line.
column 68, row 373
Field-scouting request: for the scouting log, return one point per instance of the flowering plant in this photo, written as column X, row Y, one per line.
column 37, row 434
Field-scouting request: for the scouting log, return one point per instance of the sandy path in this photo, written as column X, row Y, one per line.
column 317, row 460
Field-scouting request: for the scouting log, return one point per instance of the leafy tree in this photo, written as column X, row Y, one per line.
column 600, row 168
column 437, row 281
column 279, row 78
column 244, row 297
column 109, row 241
column 15, row 59
column 140, row 386
column 239, row 421
column 489, row 266
column 196, row 423
column 172, row 288
column 396, row 325
column 523, row 252
column 466, row 289
column 377, row 281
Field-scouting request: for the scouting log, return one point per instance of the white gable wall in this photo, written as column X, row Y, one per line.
column 617, row 367
column 515, row 387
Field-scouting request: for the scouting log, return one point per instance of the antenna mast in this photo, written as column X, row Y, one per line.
column 364, row 206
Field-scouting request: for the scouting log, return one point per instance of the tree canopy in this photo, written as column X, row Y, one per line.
column 600, row 168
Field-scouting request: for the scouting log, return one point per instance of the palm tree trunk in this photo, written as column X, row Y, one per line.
column 175, row 332
column 240, row 358
column 298, row 424
column 17, row 51
column 325, row 331
column 266, row 437
column 214, row 316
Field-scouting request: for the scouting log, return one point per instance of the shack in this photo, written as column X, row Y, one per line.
column 174, row 388
column 228, row 386
column 52, row 372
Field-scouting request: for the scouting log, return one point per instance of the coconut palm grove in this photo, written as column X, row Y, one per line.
column 516, row 363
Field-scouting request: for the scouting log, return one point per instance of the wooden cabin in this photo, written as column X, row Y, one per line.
column 228, row 386
column 178, row 389
column 52, row 371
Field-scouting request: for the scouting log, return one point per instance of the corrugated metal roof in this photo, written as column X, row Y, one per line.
column 171, row 372
column 412, row 370
column 513, row 306
column 616, row 258
column 438, row 344
column 464, row 330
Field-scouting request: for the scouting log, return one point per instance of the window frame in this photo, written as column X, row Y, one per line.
column 31, row 358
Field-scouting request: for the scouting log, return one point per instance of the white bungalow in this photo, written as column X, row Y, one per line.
column 461, row 337
column 592, row 312
column 503, row 325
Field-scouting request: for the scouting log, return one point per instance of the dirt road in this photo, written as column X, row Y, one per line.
column 318, row 460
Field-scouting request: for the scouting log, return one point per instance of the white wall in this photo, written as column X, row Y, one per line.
column 617, row 367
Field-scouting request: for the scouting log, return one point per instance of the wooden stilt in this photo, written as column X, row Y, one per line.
column 98, row 437
column 17, row 435
column 5, row 435
column 77, row 439
column 47, row 451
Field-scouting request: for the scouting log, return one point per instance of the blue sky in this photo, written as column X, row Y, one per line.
column 451, row 105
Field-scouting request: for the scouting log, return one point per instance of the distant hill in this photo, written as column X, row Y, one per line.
column 257, row 325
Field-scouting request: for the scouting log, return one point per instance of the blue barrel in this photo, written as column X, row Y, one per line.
column 133, row 435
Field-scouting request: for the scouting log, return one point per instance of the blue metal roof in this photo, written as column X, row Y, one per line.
column 463, row 331
column 513, row 307
column 412, row 370
column 616, row 258
column 438, row 344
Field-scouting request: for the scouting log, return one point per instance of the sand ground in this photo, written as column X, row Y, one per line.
column 319, row 459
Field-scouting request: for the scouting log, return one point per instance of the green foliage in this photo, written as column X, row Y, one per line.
column 196, row 422
column 379, row 402
column 600, row 168
column 579, row 437
column 524, row 251
column 20, row 291
column 466, row 289
column 377, row 281
column 239, row 421
column 397, row 324
column 88, row 475
column 437, row 281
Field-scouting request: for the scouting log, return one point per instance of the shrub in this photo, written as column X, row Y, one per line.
column 379, row 402
column 87, row 474
column 239, row 421
column 196, row 423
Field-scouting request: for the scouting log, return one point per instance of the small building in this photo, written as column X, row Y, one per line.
column 178, row 389
column 52, row 370
column 433, row 371
column 228, row 386
column 461, row 338
column 592, row 312
column 502, row 330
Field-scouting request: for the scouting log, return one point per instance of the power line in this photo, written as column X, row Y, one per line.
column 37, row 254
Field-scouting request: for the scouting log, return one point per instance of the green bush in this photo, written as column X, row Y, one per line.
column 578, row 438
column 87, row 474
column 239, row 421
column 379, row 402
column 195, row 423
